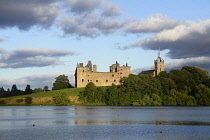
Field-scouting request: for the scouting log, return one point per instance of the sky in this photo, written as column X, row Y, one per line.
column 40, row 40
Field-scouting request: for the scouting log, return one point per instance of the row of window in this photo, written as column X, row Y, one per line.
column 96, row 80
column 112, row 74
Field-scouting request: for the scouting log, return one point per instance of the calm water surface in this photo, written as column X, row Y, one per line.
column 104, row 122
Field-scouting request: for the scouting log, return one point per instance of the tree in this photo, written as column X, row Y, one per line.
column 199, row 75
column 202, row 95
column 46, row 88
column 37, row 90
column 61, row 82
column 112, row 95
column 90, row 93
column 146, row 100
column 28, row 90
column 14, row 91
column 28, row 100
column 2, row 92
column 156, row 100
column 61, row 98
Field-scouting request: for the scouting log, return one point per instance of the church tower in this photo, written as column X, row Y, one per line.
column 159, row 65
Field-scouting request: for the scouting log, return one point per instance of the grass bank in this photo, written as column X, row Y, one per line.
column 43, row 98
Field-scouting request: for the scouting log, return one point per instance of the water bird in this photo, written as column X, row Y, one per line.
column 161, row 131
column 34, row 125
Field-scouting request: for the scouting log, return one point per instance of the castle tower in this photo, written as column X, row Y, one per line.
column 159, row 65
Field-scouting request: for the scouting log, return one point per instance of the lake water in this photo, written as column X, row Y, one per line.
column 104, row 123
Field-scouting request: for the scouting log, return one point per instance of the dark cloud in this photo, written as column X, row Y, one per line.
column 89, row 6
column 184, row 41
column 26, row 13
column 154, row 23
column 72, row 26
column 31, row 57
column 82, row 6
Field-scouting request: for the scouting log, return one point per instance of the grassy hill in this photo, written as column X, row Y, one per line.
column 68, row 91
column 42, row 98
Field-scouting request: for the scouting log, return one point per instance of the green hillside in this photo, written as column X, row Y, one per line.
column 68, row 91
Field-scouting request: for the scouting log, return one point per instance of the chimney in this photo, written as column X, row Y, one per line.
column 94, row 68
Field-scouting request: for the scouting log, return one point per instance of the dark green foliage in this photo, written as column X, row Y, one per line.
column 15, row 91
column 46, row 88
column 112, row 95
column 61, row 98
column 28, row 90
column 2, row 102
column 178, row 98
column 202, row 95
column 37, row 90
column 19, row 100
column 186, row 87
column 89, row 95
column 61, row 82
column 28, row 100
column 197, row 74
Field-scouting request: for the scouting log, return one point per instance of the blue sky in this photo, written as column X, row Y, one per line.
column 39, row 40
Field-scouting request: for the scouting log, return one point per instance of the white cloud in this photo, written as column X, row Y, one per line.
column 154, row 23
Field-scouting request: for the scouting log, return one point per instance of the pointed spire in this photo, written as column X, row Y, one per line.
column 159, row 52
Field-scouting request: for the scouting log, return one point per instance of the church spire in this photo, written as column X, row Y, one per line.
column 159, row 52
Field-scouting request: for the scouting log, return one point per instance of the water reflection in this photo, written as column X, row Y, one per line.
column 84, row 115
column 104, row 122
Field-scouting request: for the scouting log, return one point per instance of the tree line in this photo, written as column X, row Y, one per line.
column 188, row 86
column 61, row 82
column 17, row 92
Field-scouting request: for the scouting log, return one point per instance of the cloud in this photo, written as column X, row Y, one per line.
column 81, row 6
column 154, row 23
column 89, row 25
column 107, row 27
column 139, row 70
column 35, row 81
column 26, row 13
column 72, row 26
column 184, row 41
column 89, row 18
column 110, row 10
column 203, row 62
column 31, row 57
column 89, row 6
